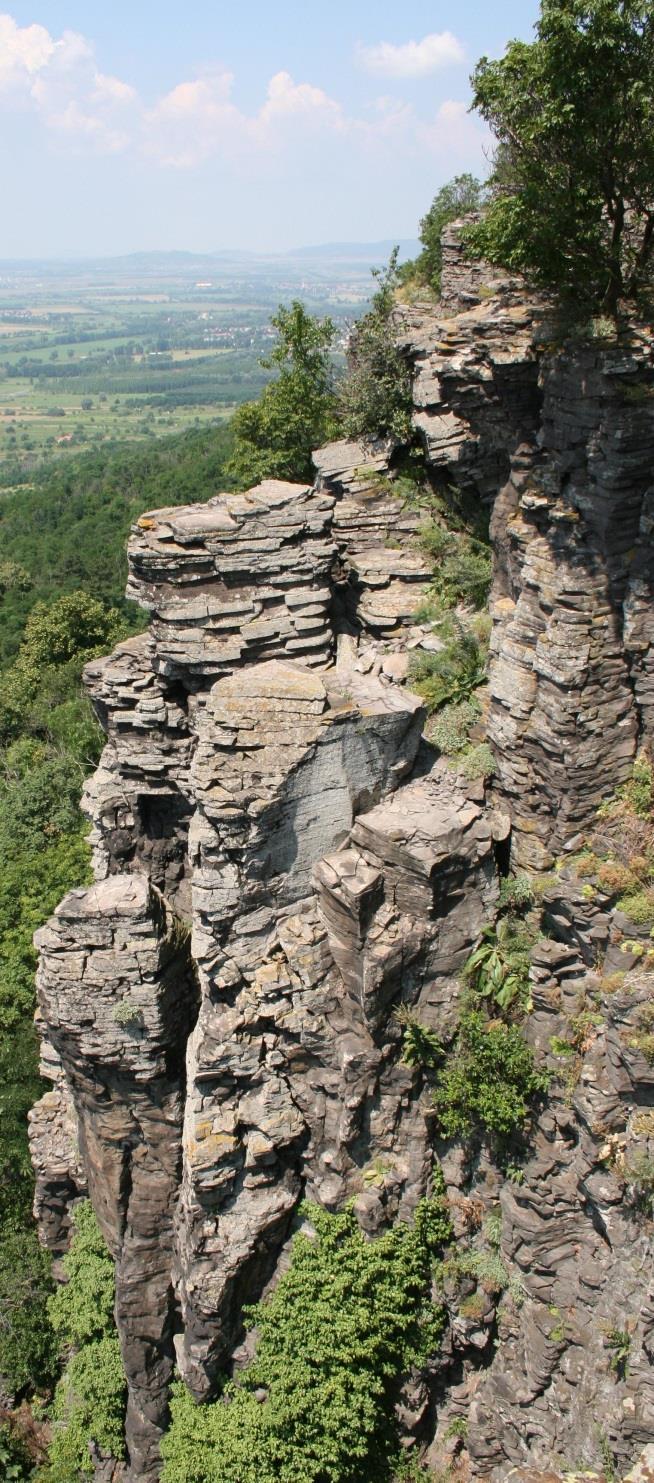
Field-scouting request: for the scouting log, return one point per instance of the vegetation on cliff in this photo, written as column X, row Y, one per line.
column 274, row 436
column 89, row 1405
column 70, row 526
column 460, row 196
column 343, row 1324
column 572, row 193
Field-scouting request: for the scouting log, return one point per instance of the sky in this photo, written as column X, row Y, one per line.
column 256, row 124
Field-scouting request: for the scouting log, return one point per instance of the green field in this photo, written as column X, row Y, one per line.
column 122, row 352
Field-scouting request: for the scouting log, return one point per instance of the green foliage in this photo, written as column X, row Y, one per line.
column 316, row 1403
column 618, row 1341
column 451, row 675
column 68, row 528
column 27, row 1348
column 489, row 1081
column 477, row 762
column 516, row 893
column 499, row 968
column 573, row 188
column 463, row 566
column 449, row 728
column 638, row 906
column 639, row 1175
column 638, row 792
column 57, row 641
column 457, row 198
column 420, row 1045
column 89, row 1407
column 90, row 1397
column 15, row 1464
column 274, row 437
column 81, row 1310
column 375, row 395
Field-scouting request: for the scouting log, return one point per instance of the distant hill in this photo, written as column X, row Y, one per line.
column 367, row 251
column 363, row 254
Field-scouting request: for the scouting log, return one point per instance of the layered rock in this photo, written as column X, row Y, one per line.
column 282, row 864
column 117, row 993
column 569, row 680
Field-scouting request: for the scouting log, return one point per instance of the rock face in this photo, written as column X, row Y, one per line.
column 282, row 863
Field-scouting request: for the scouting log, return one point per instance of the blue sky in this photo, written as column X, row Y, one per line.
column 266, row 125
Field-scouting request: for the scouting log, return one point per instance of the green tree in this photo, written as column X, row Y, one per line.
column 457, row 198
column 375, row 396
column 274, row 437
column 573, row 191
column 316, row 1403
column 90, row 1397
column 57, row 642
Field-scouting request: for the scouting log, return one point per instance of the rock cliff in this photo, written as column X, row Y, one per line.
column 282, row 862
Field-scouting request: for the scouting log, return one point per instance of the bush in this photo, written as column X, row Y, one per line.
column 454, row 672
column 274, row 437
column 28, row 1355
column 499, row 968
column 15, row 1466
column 449, row 729
column 638, row 907
column 478, row 762
column 574, row 173
column 490, row 1081
column 375, row 395
column 90, row 1397
column 461, row 195
column 316, row 1403
column 464, row 566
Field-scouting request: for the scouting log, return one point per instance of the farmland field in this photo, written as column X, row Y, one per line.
column 135, row 348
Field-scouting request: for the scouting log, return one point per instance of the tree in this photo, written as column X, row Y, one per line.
column 573, row 190
column 274, row 437
column 375, row 396
column 460, row 196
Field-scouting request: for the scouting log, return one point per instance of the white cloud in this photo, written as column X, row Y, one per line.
column 287, row 99
column 24, row 50
column 454, row 134
column 83, row 109
column 413, row 58
column 112, row 90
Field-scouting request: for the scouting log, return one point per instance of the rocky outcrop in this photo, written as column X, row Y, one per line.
column 569, row 680
column 282, row 863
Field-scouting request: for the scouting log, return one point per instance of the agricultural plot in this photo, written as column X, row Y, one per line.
column 125, row 352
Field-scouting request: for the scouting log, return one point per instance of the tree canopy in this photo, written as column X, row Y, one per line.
column 461, row 195
column 375, row 394
column 573, row 190
column 274, row 437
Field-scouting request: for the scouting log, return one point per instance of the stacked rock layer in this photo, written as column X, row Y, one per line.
column 282, row 863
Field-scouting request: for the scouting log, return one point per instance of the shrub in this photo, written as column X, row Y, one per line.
column 478, row 762
column 90, row 1397
column 638, row 792
column 454, row 673
column 125, row 1014
column 638, row 907
column 316, row 1403
column 27, row 1346
column 490, row 1081
column 375, row 395
column 458, row 197
column 516, row 893
column 14, row 1460
column 464, row 566
column 274, row 437
column 450, row 727
column 499, row 968
column 420, row 1046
